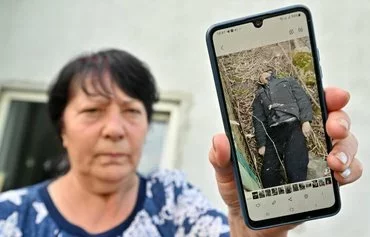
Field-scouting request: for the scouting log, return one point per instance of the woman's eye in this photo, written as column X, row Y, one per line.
column 133, row 111
column 91, row 110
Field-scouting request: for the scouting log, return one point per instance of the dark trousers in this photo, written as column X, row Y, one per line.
column 290, row 144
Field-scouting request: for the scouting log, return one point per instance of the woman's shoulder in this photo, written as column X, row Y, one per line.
column 166, row 176
column 171, row 198
column 164, row 183
column 164, row 186
column 20, row 200
column 166, row 180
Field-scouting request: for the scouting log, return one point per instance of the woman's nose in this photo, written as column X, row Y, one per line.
column 114, row 127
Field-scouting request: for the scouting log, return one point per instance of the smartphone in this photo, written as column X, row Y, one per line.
column 268, row 80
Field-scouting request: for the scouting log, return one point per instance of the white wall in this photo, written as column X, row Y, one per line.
column 37, row 37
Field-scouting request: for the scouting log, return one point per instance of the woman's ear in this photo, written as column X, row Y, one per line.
column 63, row 134
column 64, row 141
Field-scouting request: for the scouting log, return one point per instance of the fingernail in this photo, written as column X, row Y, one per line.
column 342, row 157
column 213, row 143
column 348, row 95
column 346, row 173
column 343, row 123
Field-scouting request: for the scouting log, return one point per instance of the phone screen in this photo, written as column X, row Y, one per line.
column 270, row 86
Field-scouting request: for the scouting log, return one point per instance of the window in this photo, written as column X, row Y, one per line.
column 30, row 150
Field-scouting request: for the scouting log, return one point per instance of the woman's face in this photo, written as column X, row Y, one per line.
column 104, row 136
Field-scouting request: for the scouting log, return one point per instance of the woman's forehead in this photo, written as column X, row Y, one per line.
column 99, row 89
column 96, row 96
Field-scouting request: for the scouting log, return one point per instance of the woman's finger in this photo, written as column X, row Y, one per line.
column 350, row 174
column 341, row 160
column 338, row 124
column 336, row 98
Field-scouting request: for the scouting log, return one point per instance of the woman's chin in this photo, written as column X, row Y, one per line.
column 114, row 173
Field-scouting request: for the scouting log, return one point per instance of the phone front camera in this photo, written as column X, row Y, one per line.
column 258, row 23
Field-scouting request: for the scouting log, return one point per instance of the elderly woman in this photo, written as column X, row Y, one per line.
column 101, row 105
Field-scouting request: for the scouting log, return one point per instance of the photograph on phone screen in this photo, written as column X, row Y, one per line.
column 275, row 116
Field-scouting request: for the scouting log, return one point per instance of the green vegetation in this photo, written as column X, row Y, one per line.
column 303, row 60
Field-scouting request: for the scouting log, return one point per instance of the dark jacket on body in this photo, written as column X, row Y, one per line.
column 279, row 101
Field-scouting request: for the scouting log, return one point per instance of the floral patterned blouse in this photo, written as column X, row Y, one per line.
column 167, row 205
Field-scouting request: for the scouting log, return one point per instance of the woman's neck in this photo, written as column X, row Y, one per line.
column 95, row 208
